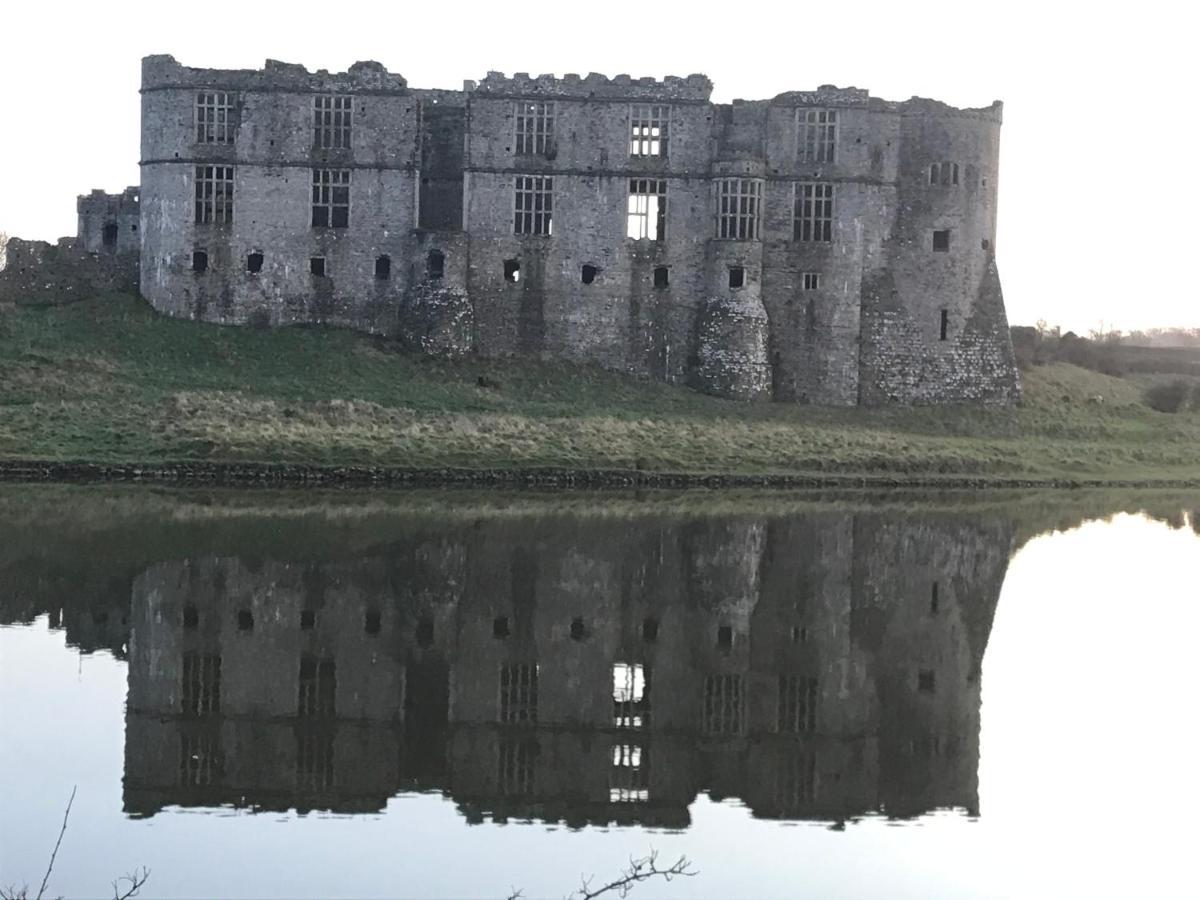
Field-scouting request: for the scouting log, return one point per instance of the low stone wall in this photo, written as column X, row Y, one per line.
column 42, row 274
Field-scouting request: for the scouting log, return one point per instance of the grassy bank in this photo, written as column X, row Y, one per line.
column 106, row 380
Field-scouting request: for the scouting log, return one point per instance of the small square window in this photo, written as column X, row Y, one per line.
column 191, row 617
column 512, row 270
column 254, row 262
column 588, row 275
column 435, row 264
column 199, row 261
column 500, row 627
column 308, row 618
column 925, row 681
column 372, row 622
column 941, row 241
column 725, row 637
column 650, row 629
column 316, row 266
column 245, row 620
column 578, row 629
column 662, row 277
column 737, row 276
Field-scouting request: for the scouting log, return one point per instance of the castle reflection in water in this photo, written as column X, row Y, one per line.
column 583, row 670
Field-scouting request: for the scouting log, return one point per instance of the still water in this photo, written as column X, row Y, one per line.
column 446, row 695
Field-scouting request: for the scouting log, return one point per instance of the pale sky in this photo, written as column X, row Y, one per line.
column 1096, row 193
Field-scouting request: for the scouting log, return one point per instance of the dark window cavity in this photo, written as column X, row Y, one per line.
column 308, row 619
column 512, row 270
column 533, row 205
column 435, row 264
column 372, row 622
column 945, row 328
column 925, row 681
column 500, row 627
column 245, row 620
column 725, row 637
column 941, row 241
column 254, row 262
column 425, row 632
column 316, row 266
column 650, row 629
column 331, row 122
column 214, row 195
column 383, row 267
column 812, row 212
column 578, row 631
column 933, row 599
column 199, row 261
column 191, row 617
column 662, row 277
column 588, row 274
column 110, row 235
column 737, row 276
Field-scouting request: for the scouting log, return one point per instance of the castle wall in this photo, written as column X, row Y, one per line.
column 108, row 223
column 852, row 317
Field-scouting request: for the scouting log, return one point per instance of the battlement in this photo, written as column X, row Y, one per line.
column 594, row 86
column 163, row 72
column 922, row 106
column 101, row 202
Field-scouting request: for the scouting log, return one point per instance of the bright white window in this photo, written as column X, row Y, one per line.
column 648, row 130
column 647, row 209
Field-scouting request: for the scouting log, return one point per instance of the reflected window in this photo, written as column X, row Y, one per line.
column 516, row 767
column 797, row 703
column 925, row 681
column 318, row 687
column 314, row 760
column 627, row 781
column 201, row 760
column 201, row 694
column 519, row 693
column 724, row 704
column 796, row 783
column 631, row 695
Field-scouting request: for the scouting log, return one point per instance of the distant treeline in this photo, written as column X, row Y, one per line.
column 1171, row 353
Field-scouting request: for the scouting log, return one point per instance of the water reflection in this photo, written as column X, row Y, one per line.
column 816, row 667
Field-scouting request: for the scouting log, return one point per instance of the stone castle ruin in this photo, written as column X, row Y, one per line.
column 820, row 247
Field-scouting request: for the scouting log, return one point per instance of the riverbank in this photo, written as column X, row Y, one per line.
column 107, row 390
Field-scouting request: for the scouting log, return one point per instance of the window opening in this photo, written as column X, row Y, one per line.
column 535, row 128
column 317, row 687
column 500, row 627
column 648, row 130
column 627, row 782
column 316, row 265
column 662, row 277
column 519, row 693
column 812, row 281
column 934, row 602
column 631, row 695
column 214, row 117
column 201, row 692
column 925, row 681
column 331, row 122
column 812, row 214
column 383, row 267
column 245, row 620
column 435, row 264
column 817, row 135
column 512, row 270
column 941, row 241
column 725, row 637
column 647, row 214
column 331, row 198
column 254, row 262
column 214, row 195
column 738, row 208
column 425, row 632
column 578, row 629
column 372, row 622
column 533, row 204
column 650, row 629
column 308, row 619
column 109, row 238
column 724, row 704
column 945, row 326
column 191, row 617
column 588, row 274
column 797, row 703
column 737, row 276
column 199, row 261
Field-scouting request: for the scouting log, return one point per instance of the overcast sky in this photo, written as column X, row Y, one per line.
column 1097, row 192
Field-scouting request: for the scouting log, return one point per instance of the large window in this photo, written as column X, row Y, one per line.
column 812, row 218
column 533, row 205
column 627, row 780
column 739, row 208
column 816, row 135
column 797, row 703
column 631, row 695
column 331, row 198
column 214, row 195
column 318, row 687
column 331, row 122
column 648, row 130
column 519, row 693
column 647, row 209
column 535, row 128
column 201, row 694
column 214, row 117
column 724, row 704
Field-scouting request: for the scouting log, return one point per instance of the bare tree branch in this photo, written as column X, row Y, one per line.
column 57, row 844
column 136, row 879
column 639, row 870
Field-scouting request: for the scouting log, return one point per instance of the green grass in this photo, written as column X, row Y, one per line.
column 107, row 380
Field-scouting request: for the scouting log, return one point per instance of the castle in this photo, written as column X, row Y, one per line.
column 820, row 247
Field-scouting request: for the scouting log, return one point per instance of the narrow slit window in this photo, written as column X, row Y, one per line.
column 331, row 122
column 945, row 330
column 811, row 281
column 214, row 195
column 533, row 205
column 739, row 208
column 331, row 198
column 812, row 213
column 647, row 215
column 648, row 130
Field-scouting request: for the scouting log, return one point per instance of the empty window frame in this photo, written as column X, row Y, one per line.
column 533, row 204
column 214, row 117
column 737, row 276
column 631, row 695
column 662, row 277
column 316, row 266
column 516, row 759
column 214, row 195
column 535, row 127
column 318, row 687
column 811, row 281
column 331, row 121
column 331, row 198
column 519, row 693
column 797, row 703
column 941, row 241
column 254, row 262
column 199, row 261
column 201, row 693
column 816, row 133
column 944, row 173
column 383, row 267
column 812, row 211
column 627, row 782
column 314, row 760
column 648, row 130
column 647, row 209
column 739, row 204
column 724, row 704
column 435, row 264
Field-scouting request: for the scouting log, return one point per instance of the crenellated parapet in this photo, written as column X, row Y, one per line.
column 162, row 72
column 594, row 86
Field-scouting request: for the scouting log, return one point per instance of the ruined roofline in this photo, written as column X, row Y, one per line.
column 594, row 86
column 163, row 72
column 852, row 97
